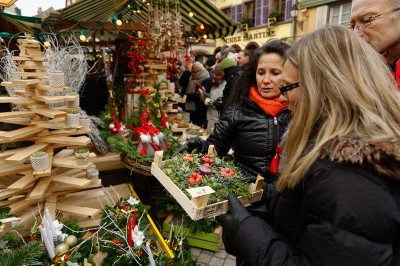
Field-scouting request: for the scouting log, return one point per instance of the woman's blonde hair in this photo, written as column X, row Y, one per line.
column 346, row 90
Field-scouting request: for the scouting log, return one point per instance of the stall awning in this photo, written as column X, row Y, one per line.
column 7, row 3
column 216, row 23
column 30, row 25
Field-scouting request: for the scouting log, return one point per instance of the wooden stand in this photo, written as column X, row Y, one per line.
column 23, row 189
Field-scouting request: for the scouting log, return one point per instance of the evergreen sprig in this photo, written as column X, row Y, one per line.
column 25, row 255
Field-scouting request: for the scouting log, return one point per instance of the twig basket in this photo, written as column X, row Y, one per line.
column 137, row 165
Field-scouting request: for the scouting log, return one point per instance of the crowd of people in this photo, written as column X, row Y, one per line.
column 320, row 121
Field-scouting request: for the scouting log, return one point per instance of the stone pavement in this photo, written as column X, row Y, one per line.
column 211, row 258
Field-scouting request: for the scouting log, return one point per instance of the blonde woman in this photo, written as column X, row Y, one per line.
column 338, row 197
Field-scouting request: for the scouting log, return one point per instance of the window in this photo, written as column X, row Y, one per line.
column 227, row 11
column 237, row 12
column 288, row 6
column 340, row 14
column 261, row 12
column 248, row 13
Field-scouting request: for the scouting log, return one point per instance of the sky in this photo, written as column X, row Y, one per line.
column 29, row 7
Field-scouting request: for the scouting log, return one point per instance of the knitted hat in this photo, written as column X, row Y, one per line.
column 228, row 62
column 217, row 68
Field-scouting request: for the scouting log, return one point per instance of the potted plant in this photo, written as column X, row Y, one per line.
column 84, row 122
column 76, row 102
column 40, row 160
column 82, row 155
column 92, row 174
column 72, row 118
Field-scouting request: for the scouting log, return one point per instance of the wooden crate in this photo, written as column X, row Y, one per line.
column 199, row 239
column 197, row 207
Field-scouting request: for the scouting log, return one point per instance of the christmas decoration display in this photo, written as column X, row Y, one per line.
column 166, row 25
column 206, row 180
column 141, row 45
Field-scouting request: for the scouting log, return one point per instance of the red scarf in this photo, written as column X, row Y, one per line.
column 270, row 106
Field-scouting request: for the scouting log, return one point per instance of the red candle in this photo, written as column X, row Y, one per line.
column 129, row 231
column 134, row 219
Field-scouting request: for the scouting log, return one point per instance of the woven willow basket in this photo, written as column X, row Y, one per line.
column 136, row 165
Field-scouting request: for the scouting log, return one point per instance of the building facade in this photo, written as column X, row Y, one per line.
column 262, row 20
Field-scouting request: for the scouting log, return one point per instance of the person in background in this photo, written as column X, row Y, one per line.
column 213, row 100
column 255, row 121
column 243, row 58
column 339, row 192
column 200, row 78
column 209, row 64
column 378, row 23
column 231, row 75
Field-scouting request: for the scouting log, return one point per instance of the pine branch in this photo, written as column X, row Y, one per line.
column 25, row 255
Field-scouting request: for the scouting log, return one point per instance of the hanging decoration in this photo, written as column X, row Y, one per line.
column 141, row 45
column 166, row 24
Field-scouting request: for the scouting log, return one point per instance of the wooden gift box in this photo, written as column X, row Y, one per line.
column 197, row 207
column 199, row 239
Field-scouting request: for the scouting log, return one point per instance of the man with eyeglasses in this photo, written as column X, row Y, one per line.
column 378, row 23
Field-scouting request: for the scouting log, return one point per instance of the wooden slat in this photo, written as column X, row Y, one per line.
column 25, row 82
column 40, row 188
column 72, row 181
column 67, row 141
column 51, row 99
column 49, row 88
column 77, row 210
column 21, row 156
column 18, row 121
column 109, row 161
column 8, row 153
column 68, row 163
column 15, row 100
column 27, row 58
column 50, row 113
column 20, row 133
column 14, row 169
column 29, row 74
column 23, row 182
column 20, row 205
column 5, row 194
column 16, row 114
column 64, row 153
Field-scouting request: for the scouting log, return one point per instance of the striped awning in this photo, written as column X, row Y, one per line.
column 216, row 23
column 31, row 25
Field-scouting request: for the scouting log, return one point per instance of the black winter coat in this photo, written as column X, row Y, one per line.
column 253, row 134
column 339, row 214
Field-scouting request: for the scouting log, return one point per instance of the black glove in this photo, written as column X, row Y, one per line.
column 218, row 104
column 193, row 144
column 231, row 223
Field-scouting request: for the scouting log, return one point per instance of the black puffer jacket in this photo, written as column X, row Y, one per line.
column 339, row 214
column 253, row 134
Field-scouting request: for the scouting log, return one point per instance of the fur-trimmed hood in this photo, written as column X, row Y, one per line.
column 382, row 155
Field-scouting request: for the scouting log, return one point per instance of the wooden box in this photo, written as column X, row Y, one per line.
column 197, row 207
column 199, row 239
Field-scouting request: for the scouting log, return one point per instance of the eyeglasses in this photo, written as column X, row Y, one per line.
column 285, row 88
column 366, row 21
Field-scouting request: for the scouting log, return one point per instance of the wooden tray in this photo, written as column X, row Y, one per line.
column 197, row 207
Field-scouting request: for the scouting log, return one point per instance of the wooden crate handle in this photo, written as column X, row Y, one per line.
column 259, row 183
column 158, row 156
